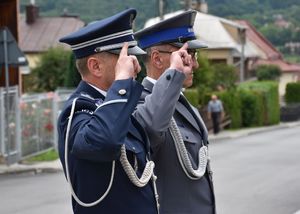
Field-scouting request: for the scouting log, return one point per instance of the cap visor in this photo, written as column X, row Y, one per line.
column 193, row 44
column 131, row 51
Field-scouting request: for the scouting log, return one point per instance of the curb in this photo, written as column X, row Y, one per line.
column 243, row 133
column 36, row 168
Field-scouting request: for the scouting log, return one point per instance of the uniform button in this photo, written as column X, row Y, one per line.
column 168, row 77
column 133, row 148
column 186, row 137
column 122, row 91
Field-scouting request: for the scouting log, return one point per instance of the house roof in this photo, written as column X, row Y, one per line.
column 269, row 54
column 45, row 32
column 259, row 40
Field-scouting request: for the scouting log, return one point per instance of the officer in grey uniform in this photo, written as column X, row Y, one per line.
column 180, row 147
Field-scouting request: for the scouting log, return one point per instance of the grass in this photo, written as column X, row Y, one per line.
column 46, row 156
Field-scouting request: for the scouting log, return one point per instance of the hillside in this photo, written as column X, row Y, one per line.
column 261, row 13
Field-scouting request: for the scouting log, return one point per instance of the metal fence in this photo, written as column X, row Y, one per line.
column 10, row 124
column 32, row 123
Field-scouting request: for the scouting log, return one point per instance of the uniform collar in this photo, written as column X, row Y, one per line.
column 104, row 93
column 150, row 79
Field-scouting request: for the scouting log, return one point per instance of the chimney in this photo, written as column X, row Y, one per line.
column 32, row 12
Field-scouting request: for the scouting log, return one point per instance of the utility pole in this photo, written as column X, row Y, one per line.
column 188, row 4
column 242, row 35
column 161, row 9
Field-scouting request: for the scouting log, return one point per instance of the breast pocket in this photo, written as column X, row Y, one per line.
column 133, row 146
column 188, row 136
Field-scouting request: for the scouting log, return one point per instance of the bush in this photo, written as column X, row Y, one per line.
column 292, row 93
column 73, row 77
column 192, row 96
column 268, row 72
column 50, row 72
column 252, row 109
column 269, row 91
column 209, row 77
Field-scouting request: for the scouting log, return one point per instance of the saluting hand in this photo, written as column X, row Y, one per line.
column 127, row 66
column 181, row 60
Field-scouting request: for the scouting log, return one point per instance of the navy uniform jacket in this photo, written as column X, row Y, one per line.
column 177, row 193
column 95, row 139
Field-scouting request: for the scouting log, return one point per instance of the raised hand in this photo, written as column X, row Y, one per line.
column 127, row 66
column 181, row 60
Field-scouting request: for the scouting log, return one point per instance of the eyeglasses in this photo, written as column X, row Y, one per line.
column 191, row 52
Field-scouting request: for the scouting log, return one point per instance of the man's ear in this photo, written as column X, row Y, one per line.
column 156, row 59
column 95, row 65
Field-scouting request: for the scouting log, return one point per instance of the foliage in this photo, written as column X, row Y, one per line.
column 269, row 91
column 252, row 108
column 211, row 77
column 232, row 106
column 192, row 96
column 203, row 78
column 72, row 76
column 268, row 72
column 292, row 94
column 50, row 71
column 224, row 75
column 95, row 9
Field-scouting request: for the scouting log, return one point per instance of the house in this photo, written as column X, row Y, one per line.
column 37, row 34
column 269, row 55
column 225, row 39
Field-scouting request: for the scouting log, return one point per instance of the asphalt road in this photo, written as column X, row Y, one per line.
column 257, row 174
column 34, row 194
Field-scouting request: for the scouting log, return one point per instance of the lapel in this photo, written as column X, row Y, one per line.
column 193, row 117
column 181, row 109
column 205, row 132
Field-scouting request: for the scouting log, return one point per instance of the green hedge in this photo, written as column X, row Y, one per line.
column 292, row 93
column 270, row 96
column 252, row 108
column 192, row 96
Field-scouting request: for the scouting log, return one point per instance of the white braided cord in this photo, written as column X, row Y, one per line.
column 147, row 174
column 183, row 157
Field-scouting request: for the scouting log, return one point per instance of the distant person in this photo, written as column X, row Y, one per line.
column 215, row 112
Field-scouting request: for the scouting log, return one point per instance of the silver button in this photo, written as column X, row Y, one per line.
column 122, row 91
column 133, row 148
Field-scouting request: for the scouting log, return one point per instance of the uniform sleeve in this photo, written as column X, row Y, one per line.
column 99, row 136
column 156, row 111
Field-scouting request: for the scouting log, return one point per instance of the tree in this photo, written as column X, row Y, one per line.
column 72, row 76
column 268, row 72
column 50, row 72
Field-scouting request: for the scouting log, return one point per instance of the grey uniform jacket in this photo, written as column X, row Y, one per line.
column 178, row 194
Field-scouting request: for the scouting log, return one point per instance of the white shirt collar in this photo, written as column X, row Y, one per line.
column 151, row 79
column 104, row 93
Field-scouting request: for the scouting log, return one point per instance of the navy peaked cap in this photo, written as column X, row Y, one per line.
column 108, row 34
column 176, row 31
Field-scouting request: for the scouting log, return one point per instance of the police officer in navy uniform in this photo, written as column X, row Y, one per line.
column 103, row 149
column 180, row 148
